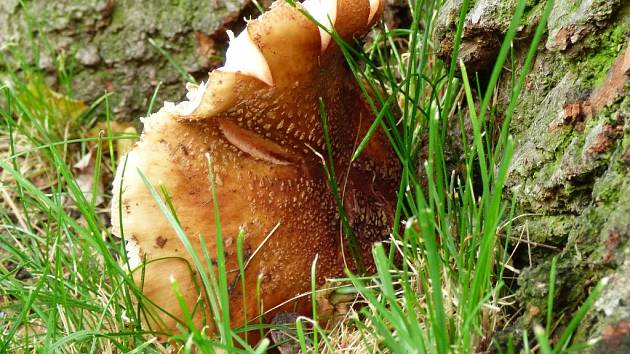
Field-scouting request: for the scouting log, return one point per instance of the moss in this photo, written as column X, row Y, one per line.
column 127, row 63
column 533, row 11
column 104, row 75
column 600, row 50
column 607, row 189
column 534, row 287
column 551, row 230
column 574, row 174
column 117, row 17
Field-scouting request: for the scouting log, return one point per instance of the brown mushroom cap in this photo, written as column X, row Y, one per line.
column 259, row 135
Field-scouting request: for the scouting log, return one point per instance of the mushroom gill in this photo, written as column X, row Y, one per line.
column 258, row 119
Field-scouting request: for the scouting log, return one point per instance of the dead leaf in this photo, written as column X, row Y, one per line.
column 84, row 177
column 117, row 130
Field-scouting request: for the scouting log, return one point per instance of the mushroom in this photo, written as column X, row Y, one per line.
column 258, row 120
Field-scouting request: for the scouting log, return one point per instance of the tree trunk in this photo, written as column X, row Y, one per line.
column 571, row 171
column 104, row 45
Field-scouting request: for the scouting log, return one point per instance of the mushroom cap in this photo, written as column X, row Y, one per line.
column 260, row 124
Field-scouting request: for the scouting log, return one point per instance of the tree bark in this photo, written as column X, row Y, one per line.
column 103, row 45
column 570, row 173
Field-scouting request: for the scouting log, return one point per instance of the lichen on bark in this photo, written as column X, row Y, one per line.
column 570, row 173
column 104, row 45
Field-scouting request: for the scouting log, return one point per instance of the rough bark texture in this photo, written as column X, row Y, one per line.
column 571, row 169
column 104, row 44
